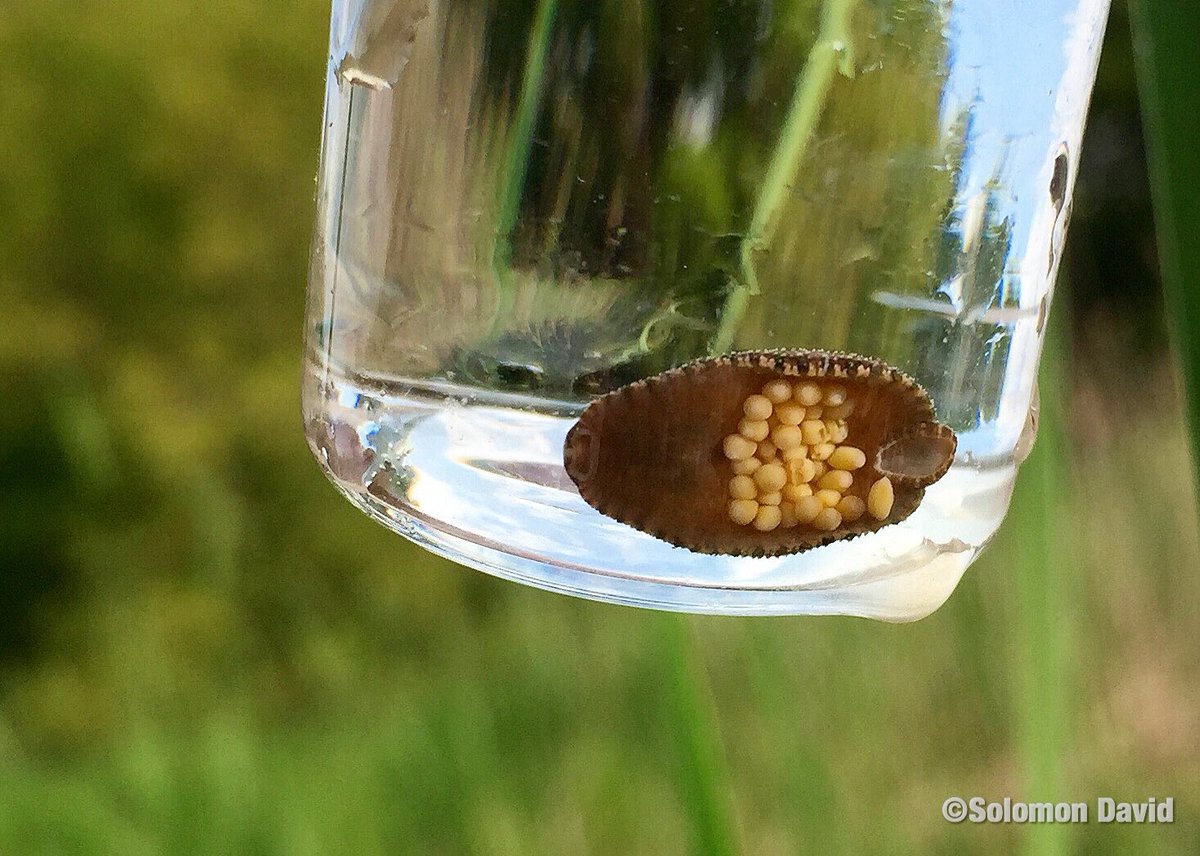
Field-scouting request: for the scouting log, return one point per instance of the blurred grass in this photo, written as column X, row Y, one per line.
column 1043, row 679
column 1166, row 35
column 204, row 650
column 832, row 53
column 704, row 785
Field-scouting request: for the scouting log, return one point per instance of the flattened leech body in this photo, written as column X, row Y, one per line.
column 760, row 453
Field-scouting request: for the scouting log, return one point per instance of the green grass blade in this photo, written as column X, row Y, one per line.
column 1040, row 528
column 516, row 161
column 703, row 780
column 832, row 53
column 1166, row 34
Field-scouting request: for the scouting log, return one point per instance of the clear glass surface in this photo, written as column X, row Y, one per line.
column 525, row 203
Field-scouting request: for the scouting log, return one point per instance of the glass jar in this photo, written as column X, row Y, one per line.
column 523, row 204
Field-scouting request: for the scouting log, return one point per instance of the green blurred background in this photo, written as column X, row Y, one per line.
column 204, row 650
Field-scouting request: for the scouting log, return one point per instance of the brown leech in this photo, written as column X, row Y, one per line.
column 760, row 453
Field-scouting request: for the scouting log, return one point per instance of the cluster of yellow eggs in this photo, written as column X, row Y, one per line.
column 793, row 465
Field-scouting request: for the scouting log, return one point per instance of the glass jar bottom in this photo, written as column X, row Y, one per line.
column 478, row 479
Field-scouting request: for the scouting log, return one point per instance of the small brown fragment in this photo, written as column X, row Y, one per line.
column 661, row 455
